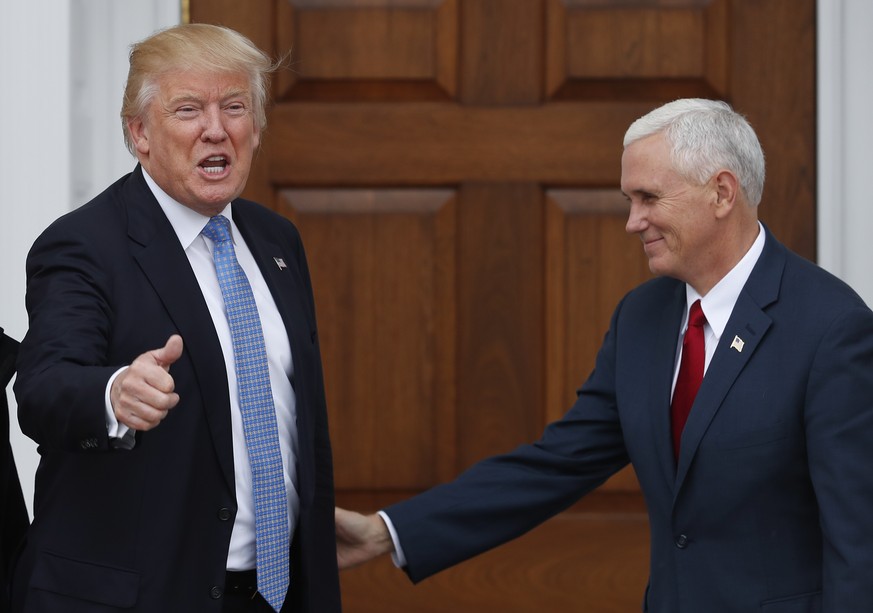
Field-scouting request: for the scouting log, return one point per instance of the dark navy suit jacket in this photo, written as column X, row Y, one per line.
column 770, row 507
column 148, row 529
column 13, row 512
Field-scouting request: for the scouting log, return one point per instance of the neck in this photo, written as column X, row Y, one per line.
column 734, row 246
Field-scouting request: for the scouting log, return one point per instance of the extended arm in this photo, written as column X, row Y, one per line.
column 65, row 361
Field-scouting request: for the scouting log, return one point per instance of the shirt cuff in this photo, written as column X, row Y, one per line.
column 114, row 429
column 397, row 555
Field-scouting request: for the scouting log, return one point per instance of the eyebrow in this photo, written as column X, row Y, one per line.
column 192, row 97
column 638, row 192
column 237, row 93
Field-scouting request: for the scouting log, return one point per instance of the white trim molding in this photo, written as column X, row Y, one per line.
column 845, row 132
column 63, row 64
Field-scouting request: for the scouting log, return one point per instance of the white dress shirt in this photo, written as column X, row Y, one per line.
column 187, row 224
column 718, row 304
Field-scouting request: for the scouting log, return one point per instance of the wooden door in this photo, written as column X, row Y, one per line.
column 453, row 166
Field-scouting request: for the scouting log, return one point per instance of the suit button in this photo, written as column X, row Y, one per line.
column 215, row 592
column 682, row 541
column 224, row 514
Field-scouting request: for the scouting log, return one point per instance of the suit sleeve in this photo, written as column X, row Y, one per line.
column 839, row 426
column 62, row 373
column 503, row 497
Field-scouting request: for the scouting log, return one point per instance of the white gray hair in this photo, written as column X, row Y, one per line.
column 705, row 136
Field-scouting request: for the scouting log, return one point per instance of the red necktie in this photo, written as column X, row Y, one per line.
column 690, row 373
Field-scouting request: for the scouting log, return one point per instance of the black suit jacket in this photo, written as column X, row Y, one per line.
column 13, row 513
column 149, row 529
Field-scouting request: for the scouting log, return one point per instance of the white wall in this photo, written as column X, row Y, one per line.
column 845, row 134
column 63, row 64
column 62, row 69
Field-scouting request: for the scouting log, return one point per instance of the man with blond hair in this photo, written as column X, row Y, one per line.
column 171, row 374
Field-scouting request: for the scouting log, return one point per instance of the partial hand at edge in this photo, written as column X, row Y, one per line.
column 360, row 538
column 142, row 395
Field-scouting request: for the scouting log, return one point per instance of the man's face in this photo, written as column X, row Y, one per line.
column 675, row 219
column 198, row 137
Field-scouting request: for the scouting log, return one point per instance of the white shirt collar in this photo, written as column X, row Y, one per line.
column 186, row 222
column 718, row 304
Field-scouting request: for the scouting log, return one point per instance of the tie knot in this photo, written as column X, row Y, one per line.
column 696, row 317
column 217, row 229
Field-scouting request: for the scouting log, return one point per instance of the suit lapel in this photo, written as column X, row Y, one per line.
column 159, row 254
column 664, row 359
column 748, row 324
column 281, row 274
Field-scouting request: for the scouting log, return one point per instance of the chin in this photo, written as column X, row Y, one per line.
column 216, row 200
column 659, row 269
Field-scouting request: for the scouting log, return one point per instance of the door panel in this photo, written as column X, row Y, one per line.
column 390, row 292
column 453, row 166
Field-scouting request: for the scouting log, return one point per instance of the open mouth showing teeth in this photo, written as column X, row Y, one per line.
column 214, row 165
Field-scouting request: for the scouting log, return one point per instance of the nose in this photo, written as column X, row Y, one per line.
column 213, row 125
column 636, row 219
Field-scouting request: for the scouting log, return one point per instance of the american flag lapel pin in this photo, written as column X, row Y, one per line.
column 280, row 263
column 738, row 344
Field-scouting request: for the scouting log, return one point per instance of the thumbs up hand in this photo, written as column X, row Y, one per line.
column 142, row 395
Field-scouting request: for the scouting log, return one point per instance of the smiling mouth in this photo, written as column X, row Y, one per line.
column 650, row 243
column 214, row 165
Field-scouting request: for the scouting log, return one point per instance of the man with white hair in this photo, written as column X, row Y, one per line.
column 739, row 384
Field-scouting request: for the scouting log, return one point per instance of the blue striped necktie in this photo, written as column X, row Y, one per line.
column 258, row 416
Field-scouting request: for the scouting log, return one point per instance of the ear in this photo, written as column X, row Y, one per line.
column 727, row 192
column 139, row 134
column 256, row 135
